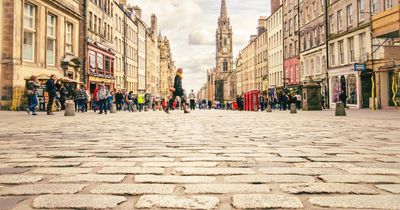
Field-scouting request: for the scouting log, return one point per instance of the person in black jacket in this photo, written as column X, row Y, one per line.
column 178, row 92
column 52, row 90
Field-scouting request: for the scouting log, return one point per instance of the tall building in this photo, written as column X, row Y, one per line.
column 312, row 47
column 152, row 59
column 141, row 50
column 353, row 42
column 275, row 51
column 291, row 42
column 131, row 49
column 120, row 69
column 37, row 38
column 100, row 46
column 167, row 68
column 224, row 56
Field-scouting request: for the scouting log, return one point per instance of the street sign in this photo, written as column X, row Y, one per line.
column 360, row 67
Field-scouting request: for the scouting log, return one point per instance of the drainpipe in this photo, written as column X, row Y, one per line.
column 327, row 89
column 85, row 45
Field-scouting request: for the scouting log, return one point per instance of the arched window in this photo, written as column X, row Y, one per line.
column 225, row 65
column 225, row 41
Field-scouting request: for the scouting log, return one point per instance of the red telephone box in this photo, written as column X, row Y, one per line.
column 252, row 101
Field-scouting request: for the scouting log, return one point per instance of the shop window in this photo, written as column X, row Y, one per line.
column 336, row 89
column 107, row 65
column 352, row 89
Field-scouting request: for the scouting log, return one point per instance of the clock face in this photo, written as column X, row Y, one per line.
column 225, row 49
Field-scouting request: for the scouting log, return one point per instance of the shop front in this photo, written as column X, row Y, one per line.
column 101, row 67
column 388, row 79
column 345, row 83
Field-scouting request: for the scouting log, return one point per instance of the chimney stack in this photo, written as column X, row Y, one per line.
column 138, row 11
column 154, row 24
column 262, row 25
column 275, row 4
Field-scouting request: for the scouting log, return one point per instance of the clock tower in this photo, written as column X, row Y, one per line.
column 224, row 53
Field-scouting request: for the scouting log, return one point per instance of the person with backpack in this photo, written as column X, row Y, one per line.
column 52, row 91
column 178, row 92
column 32, row 87
column 102, row 97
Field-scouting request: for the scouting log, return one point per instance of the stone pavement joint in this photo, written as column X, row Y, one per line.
column 173, row 179
column 331, row 188
column 225, row 188
column 133, row 189
column 393, row 188
column 90, row 178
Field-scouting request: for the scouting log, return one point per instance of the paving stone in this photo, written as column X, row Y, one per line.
column 131, row 170
column 258, row 201
column 47, row 164
column 37, row 189
column 358, row 201
column 173, row 179
column 338, row 159
column 64, row 154
column 10, row 202
column 113, row 164
column 180, row 164
column 149, row 159
column 381, row 171
column 175, row 202
column 225, row 188
column 331, row 188
column 300, row 171
column 393, row 188
column 28, row 160
column 269, row 179
column 133, row 189
column 13, row 170
column 213, row 171
column 360, row 178
column 90, row 178
column 80, row 201
column 19, row 179
column 283, row 159
column 324, row 165
column 227, row 159
column 62, row 170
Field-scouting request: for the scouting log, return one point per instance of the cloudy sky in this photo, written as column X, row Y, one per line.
column 190, row 26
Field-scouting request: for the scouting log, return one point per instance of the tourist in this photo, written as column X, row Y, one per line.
column 119, row 100
column 141, row 101
column 192, row 98
column 33, row 101
column 52, row 91
column 110, row 100
column 63, row 96
column 80, row 99
column 298, row 101
column 129, row 101
column 102, row 97
column 178, row 91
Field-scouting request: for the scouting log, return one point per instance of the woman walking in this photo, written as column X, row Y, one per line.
column 178, row 92
column 32, row 87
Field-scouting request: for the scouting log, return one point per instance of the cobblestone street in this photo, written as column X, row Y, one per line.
column 204, row 160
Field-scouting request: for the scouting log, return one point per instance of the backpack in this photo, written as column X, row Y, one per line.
column 102, row 93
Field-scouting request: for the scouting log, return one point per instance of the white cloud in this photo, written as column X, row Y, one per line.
column 190, row 26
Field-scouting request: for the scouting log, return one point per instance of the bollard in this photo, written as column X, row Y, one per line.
column 293, row 109
column 340, row 110
column 269, row 108
column 69, row 108
column 113, row 109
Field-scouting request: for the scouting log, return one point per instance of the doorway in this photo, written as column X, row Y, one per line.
column 366, row 88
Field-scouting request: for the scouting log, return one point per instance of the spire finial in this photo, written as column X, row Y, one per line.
column 224, row 11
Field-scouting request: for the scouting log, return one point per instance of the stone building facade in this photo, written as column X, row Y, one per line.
column 153, row 59
column 37, row 38
column 291, row 42
column 167, row 67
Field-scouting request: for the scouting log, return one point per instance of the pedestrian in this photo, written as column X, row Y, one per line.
column 95, row 99
column 141, row 100
column 323, row 101
column 342, row 97
column 298, row 101
column 80, row 98
column 192, row 98
column 129, row 101
column 119, row 99
column 178, row 91
column 102, row 96
column 33, row 101
column 110, row 100
column 63, row 96
column 52, row 92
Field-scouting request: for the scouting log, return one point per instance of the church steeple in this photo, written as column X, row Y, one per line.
column 224, row 11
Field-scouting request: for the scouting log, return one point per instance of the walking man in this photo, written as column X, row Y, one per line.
column 192, row 98
column 102, row 96
column 52, row 91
